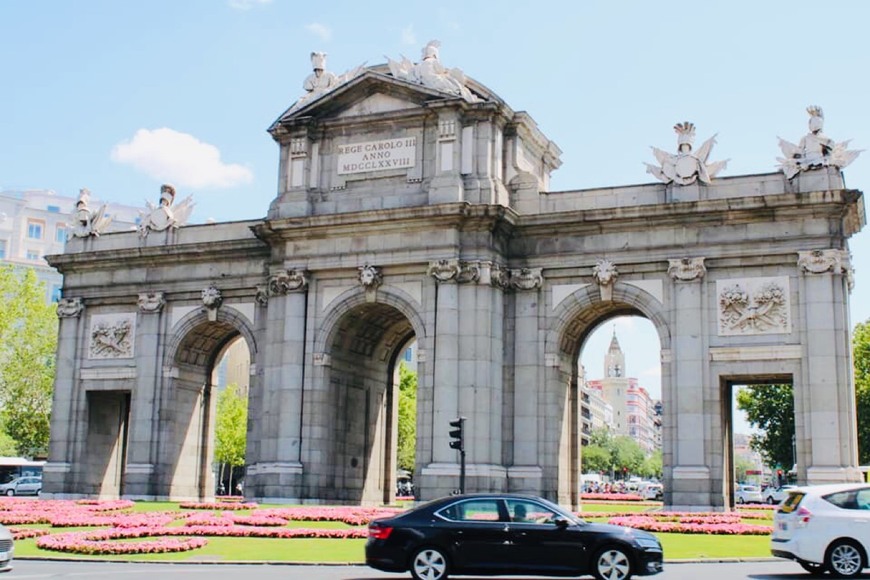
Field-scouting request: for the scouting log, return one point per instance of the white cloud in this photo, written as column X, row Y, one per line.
column 246, row 4
column 319, row 30
column 408, row 36
column 179, row 158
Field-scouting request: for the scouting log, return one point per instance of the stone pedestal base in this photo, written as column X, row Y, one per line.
column 440, row 479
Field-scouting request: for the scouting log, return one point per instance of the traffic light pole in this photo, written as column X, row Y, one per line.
column 457, row 442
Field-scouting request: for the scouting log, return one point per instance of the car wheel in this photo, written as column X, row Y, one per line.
column 740, row 500
column 611, row 564
column 429, row 564
column 10, row 492
column 844, row 559
column 812, row 567
column 770, row 500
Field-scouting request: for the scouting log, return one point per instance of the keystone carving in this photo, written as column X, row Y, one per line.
column 262, row 296
column 70, row 307
column 151, row 302
column 370, row 276
column 686, row 269
column 211, row 297
column 605, row 274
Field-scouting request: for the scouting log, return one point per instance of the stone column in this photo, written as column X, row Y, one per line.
column 688, row 480
column 276, row 470
column 525, row 474
column 56, row 473
column 446, row 185
column 143, row 435
column 825, row 415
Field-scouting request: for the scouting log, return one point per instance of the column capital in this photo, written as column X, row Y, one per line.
column 70, row 307
column 151, row 302
column 526, row 278
column 286, row 281
column 823, row 261
column 686, row 269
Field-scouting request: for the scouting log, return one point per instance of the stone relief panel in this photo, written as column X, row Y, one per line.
column 749, row 306
column 111, row 336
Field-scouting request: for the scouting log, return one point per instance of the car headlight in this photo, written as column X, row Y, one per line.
column 650, row 543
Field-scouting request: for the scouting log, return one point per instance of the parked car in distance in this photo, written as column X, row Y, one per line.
column 507, row 534
column 6, row 549
column 774, row 495
column 745, row 493
column 824, row 528
column 22, row 486
column 654, row 491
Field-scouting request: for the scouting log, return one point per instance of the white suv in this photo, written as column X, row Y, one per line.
column 746, row 493
column 825, row 528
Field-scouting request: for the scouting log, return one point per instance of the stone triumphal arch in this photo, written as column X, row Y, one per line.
column 413, row 205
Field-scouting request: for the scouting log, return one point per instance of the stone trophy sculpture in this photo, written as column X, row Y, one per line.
column 166, row 215
column 686, row 166
column 87, row 223
column 815, row 149
column 429, row 72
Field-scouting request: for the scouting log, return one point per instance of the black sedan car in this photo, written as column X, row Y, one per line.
column 505, row 534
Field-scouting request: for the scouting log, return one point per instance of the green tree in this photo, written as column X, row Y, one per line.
column 771, row 409
column 741, row 466
column 652, row 465
column 627, row 455
column 594, row 459
column 407, row 436
column 28, row 340
column 861, row 358
column 231, row 428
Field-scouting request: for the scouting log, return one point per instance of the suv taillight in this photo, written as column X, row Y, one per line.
column 379, row 532
column 803, row 517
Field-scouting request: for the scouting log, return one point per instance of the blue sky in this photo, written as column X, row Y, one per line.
column 94, row 93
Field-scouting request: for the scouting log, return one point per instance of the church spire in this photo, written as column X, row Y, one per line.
column 614, row 361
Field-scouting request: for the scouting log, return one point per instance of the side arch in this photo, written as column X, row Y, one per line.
column 228, row 323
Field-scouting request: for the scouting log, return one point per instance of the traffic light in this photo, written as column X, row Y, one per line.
column 779, row 479
column 457, row 438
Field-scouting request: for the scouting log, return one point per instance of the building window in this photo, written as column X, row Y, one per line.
column 34, row 230
column 55, row 293
column 2, row 249
column 53, row 209
column 60, row 234
column 33, row 255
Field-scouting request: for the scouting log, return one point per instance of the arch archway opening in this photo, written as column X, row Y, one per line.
column 762, row 454
column 619, row 382
column 187, row 448
column 365, row 353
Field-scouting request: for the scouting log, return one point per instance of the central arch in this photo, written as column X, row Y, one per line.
column 574, row 320
column 366, row 337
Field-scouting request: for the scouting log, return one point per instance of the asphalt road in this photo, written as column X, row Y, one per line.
column 41, row 569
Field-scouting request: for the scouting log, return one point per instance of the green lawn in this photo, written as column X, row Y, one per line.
column 676, row 546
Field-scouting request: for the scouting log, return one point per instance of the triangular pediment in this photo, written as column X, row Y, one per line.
column 369, row 93
column 377, row 103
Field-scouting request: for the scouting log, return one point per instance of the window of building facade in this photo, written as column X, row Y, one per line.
column 55, row 293
column 53, row 209
column 33, row 255
column 2, row 249
column 34, row 230
column 60, row 234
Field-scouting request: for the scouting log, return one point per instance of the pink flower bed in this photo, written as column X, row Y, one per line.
column 631, row 497
column 216, row 505
column 24, row 533
column 696, row 523
column 351, row 515
column 98, row 542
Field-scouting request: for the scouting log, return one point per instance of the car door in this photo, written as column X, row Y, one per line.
column 29, row 486
column 478, row 535
column 539, row 543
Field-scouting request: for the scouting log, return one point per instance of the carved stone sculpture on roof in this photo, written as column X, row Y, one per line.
column 166, row 215
column 87, row 223
column 687, row 166
column 322, row 81
column 430, row 73
column 815, row 150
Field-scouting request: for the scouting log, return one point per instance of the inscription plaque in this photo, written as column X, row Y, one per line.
column 377, row 155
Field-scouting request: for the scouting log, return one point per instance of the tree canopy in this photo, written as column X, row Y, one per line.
column 407, row 436
column 231, row 426
column 861, row 358
column 770, row 408
column 28, row 340
column 619, row 454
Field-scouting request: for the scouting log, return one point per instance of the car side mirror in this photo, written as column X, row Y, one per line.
column 561, row 522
